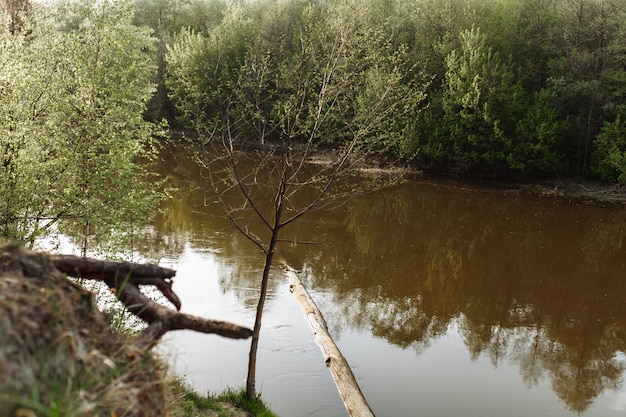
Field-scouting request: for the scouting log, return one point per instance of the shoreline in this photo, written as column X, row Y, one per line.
column 565, row 188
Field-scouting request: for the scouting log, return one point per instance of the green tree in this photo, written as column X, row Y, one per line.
column 539, row 134
column 534, row 40
column 590, row 33
column 27, row 86
column 610, row 150
column 479, row 91
column 75, row 143
column 167, row 18
column 102, row 120
column 203, row 67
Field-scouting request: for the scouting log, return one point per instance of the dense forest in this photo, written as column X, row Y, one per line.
column 532, row 86
column 536, row 87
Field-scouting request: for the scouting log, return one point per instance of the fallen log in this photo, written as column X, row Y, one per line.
column 97, row 269
column 124, row 278
column 349, row 390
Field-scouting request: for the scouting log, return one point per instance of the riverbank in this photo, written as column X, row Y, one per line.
column 61, row 355
column 188, row 403
column 585, row 191
column 569, row 188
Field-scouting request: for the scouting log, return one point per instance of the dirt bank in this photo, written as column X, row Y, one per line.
column 59, row 356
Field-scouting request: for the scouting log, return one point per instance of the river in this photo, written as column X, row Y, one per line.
column 446, row 301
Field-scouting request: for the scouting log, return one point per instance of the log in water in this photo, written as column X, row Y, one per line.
column 351, row 394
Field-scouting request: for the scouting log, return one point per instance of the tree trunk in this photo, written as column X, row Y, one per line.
column 254, row 344
column 269, row 255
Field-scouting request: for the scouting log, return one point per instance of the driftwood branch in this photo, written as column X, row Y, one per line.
column 124, row 279
column 119, row 274
column 351, row 394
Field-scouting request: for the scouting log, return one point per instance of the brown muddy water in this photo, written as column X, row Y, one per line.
column 446, row 301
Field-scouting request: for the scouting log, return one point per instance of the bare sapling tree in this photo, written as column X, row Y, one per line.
column 267, row 170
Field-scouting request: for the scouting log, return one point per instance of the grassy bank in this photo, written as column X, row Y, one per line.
column 230, row 403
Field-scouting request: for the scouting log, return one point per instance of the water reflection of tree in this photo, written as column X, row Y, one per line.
column 188, row 219
column 527, row 281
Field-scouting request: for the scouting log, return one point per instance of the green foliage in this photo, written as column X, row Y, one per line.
column 190, row 403
column 539, row 134
column 203, row 69
column 523, row 86
column 610, row 150
column 479, row 97
column 73, row 141
column 168, row 17
column 294, row 72
column 23, row 143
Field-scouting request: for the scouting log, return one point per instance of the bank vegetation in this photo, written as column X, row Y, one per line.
column 499, row 87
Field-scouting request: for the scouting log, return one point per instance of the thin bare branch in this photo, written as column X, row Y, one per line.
column 235, row 222
column 242, row 189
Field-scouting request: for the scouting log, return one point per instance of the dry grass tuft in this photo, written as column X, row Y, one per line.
column 58, row 356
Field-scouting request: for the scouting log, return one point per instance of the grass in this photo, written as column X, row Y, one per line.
column 189, row 403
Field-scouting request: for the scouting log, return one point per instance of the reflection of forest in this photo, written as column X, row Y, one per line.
column 536, row 282
column 533, row 281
